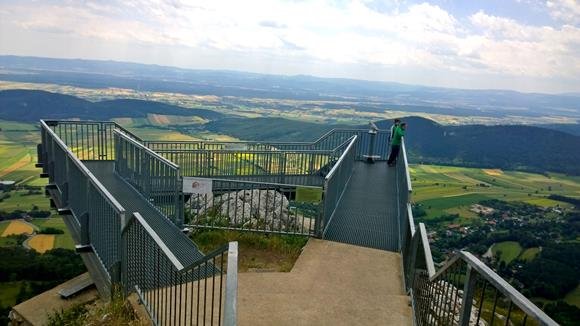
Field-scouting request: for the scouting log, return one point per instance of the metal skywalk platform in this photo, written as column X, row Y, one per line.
column 125, row 202
column 367, row 213
column 183, row 248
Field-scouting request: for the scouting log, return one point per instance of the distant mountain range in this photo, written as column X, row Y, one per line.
column 507, row 147
column 410, row 98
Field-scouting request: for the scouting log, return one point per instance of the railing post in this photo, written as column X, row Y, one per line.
column 413, row 260
column 179, row 201
column 230, row 307
column 84, row 221
column 468, row 291
column 283, row 168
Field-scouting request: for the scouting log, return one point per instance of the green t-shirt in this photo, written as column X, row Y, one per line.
column 398, row 134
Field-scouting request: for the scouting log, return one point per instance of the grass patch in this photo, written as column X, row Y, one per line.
column 21, row 200
column 9, row 292
column 64, row 241
column 452, row 204
column 12, row 240
column 444, row 190
column 52, row 222
column 573, row 297
column 256, row 251
column 530, row 254
column 116, row 312
column 60, row 240
column 507, row 250
column 3, row 226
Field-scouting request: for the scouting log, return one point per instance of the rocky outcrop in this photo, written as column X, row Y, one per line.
column 267, row 209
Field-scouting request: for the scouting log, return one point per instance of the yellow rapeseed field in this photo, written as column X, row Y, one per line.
column 494, row 172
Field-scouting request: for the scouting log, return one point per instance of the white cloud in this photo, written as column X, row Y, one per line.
column 510, row 47
column 418, row 36
column 565, row 10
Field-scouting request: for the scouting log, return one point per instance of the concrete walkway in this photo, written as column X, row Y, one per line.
column 331, row 284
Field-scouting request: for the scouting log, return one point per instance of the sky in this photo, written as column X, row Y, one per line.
column 524, row 45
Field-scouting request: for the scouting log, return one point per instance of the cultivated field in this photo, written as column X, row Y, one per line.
column 41, row 242
column 452, row 190
column 60, row 240
column 17, row 227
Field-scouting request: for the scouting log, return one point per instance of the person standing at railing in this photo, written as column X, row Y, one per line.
column 396, row 140
column 395, row 125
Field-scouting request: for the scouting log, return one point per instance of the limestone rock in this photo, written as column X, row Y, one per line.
column 261, row 208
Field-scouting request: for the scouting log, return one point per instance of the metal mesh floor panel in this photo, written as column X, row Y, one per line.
column 181, row 246
column 367, row 214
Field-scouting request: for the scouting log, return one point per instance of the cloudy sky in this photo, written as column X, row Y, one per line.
column 526, row 45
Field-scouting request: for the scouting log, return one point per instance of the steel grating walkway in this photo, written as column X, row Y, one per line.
column 367, row 214
column 181, row 246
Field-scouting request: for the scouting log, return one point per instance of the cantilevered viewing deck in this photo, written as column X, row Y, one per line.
column 367, row 213
column 128, row 202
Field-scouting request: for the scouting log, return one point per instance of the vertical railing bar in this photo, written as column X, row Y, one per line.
column 494, row 306
column 507, row 320
column 481, row 301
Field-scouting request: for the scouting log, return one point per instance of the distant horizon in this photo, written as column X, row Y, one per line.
column 575, row 94
column 530, row 46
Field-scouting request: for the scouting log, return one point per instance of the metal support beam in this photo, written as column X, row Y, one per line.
column 231, row 306
column 468, row 291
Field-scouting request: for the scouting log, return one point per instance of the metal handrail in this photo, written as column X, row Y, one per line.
column 279, row 151
column 146, row 149
column 407, row 172
column 165, row 287
column 312, row 143
column 158, row 241
column 83, row 168
column 342, row 157
column 509, row 291
column 117, row 126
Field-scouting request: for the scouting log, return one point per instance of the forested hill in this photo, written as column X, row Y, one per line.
column 507, row 147
column 33, row 105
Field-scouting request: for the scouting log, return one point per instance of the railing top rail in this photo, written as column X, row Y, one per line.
column 342, row 157
column 117, row 206
column 410, row 219
column 146, row 149
column 80, row 122
column 407, row 172
column 262, row 183
column 119, row 127
column 281, row 151
column 260, row 142
column 206, row 258
column 86, row 122
column 426, row 249
column 168, row 253
column 504, row 287
column 343, row 144
column 136, row 217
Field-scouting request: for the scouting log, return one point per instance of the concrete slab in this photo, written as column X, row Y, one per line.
column 331, row 284
column 36, row 310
